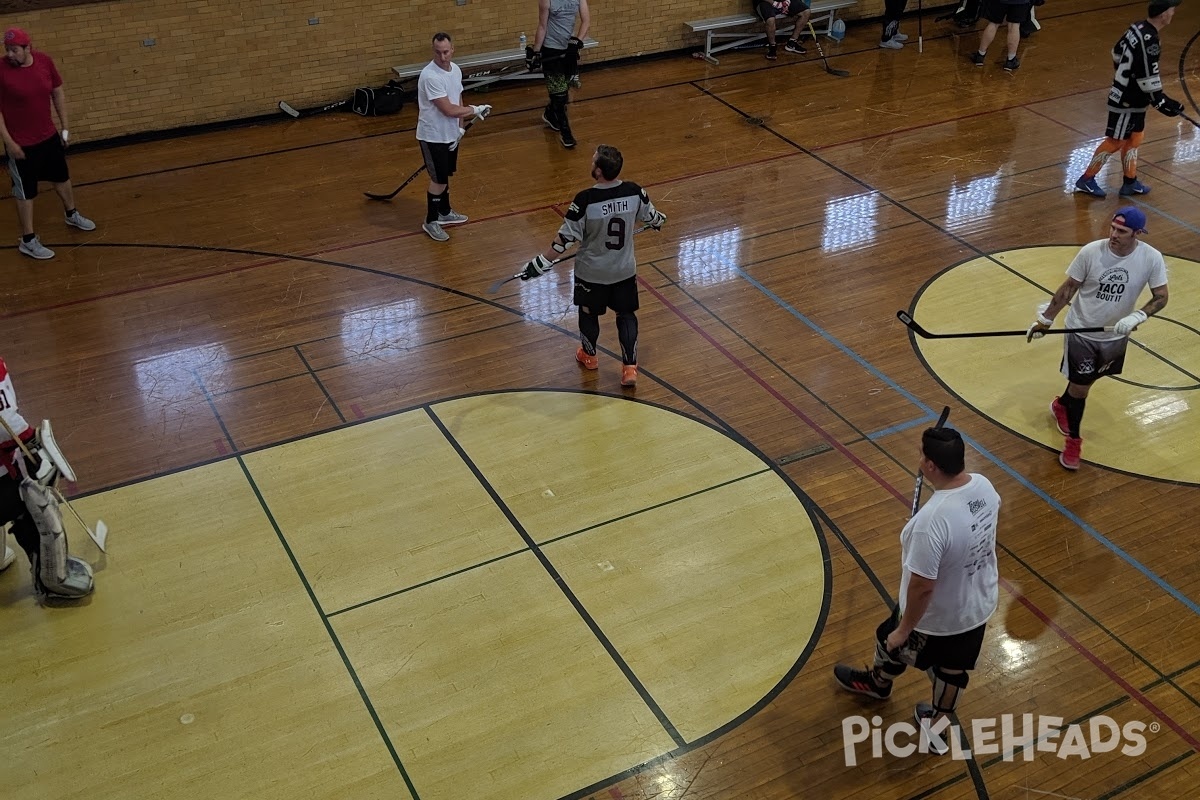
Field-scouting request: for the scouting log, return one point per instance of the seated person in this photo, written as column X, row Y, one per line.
column 770, row 10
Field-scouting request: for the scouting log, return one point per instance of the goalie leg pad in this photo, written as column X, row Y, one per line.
column 948, row 686
column 55, row 574
column 51, row 457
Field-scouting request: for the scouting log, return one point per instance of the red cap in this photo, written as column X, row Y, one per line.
column 16, row 36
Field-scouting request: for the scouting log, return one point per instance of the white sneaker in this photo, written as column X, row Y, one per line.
column 453, row 218
column 435, row 232
column 901, row 37
column 78, row 220
column 35, row 249
column 893, row 43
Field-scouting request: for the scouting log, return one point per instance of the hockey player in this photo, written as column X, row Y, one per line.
column 1136, row 86
column 602, row 220
column 555, row 50
column 28, row 470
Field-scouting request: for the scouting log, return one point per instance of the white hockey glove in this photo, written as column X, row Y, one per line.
column 461, row 133
column 1039, row 327
column 538, row 265
column 1127, row 325
column 657, row 220
column 481, row 112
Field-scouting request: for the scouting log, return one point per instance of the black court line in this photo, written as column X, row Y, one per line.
column 552, row 571
column 1147, row 776
column 311, row 373
column 1183, row 54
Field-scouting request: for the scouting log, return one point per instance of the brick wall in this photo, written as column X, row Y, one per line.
column 217, row 60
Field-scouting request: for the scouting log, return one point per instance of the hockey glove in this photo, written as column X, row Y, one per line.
column 1039, row 327
column 538, row 265
column 533, row 59
column 1127, row 325
column 575, row 43
column 461, row 133
column 657, row 220
column 1169, row 107
column 481, row 112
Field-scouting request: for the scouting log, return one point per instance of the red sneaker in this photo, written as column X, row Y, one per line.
column 590, row 362
column 1069, row 457
column 1060, row 416
column 628, row 374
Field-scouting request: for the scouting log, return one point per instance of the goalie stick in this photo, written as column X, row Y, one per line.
column 291, row 111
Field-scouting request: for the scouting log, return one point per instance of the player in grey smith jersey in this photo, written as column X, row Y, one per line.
column 602, row 220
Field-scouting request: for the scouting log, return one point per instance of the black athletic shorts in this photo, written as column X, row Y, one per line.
column 1123, row 124
column 597, row 298
column 996, row 12
column 1086, row 360
column 957, row 651
column 440, row 161
column 767, row 10
column 44, row 161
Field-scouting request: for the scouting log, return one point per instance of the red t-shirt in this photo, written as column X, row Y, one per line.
column 25, row 99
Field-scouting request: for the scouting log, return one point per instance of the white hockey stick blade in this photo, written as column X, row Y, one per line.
column 100, row 535
column 287, row 109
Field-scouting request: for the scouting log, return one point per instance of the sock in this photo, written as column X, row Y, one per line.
column 589, row 331
column 28, row 237
column 1129, row 156
column 72, row 212
column 444, row 202
column 1074, row 406
column 627, row 332
column 431, row 207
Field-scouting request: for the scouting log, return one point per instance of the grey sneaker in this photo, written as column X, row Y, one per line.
column 892, row 44
column 78, row 220
column 35, row 249
column 453, row 218
column 435, row 232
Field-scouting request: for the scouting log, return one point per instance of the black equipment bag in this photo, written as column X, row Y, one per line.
column 387, row 99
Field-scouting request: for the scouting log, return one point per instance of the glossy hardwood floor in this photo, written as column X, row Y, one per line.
column 376, row 534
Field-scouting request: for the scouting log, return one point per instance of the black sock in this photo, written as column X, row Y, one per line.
column 1128, row 181
column 444, row 202
column 589, row 331
column 431, row 207
column 627, row 332
column 1075, row 407
column 28, row 237
column 72, row 212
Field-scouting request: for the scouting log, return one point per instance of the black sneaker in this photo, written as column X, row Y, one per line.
column 566, row 137
column 548, row 118
column 1011, row 65
column 860, row 681
column 772, row 54
column 977, row 58
column 794, row 46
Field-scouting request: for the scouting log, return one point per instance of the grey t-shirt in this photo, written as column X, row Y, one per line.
column 560, row 25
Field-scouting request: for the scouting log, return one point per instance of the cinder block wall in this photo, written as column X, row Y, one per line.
column 216, row 60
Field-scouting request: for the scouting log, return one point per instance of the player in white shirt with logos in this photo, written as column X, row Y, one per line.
column 440, row 116
column 949, row 586
column 1105, row 279
column 28, row 503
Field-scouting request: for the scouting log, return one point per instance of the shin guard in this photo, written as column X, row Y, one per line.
column 948, row 686
column 55, row 573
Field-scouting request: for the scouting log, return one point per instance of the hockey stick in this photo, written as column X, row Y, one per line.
column 288, row 109
column 916, row 503
column 904, row 317
column 411, row 178
column 495, row 287
column 1189, row 119
column 100, row 535
column 841, row 73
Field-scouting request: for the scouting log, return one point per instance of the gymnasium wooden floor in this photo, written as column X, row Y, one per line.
column 376, row 535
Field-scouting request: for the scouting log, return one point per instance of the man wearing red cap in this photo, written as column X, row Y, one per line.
column 29, row 84
column 1105, row 279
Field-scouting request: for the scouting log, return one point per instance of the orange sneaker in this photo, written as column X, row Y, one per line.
column 590, row 362
column 1060, row 416
column 1069, row 457
column 628, row 374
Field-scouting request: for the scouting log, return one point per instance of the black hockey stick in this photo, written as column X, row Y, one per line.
column 1189, row 119
column 916, row 503
column 904, row 317
column 841, row 73
column 291, row 111
column 411, row 178
column 495, row 287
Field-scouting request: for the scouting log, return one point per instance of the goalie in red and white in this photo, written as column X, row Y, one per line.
column 28, row 503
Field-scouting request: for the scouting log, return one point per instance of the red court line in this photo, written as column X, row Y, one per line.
column 837, row 445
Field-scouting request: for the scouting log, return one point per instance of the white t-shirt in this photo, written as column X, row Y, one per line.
column 952, row 541
column 1111, row 284
column 435, row 82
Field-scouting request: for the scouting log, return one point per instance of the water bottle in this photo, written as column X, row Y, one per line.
column 524, row 41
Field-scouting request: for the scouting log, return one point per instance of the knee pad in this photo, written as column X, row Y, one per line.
column 55, row 573
column 947, row 687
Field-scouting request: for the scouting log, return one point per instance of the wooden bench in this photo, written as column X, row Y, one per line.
column 486, row 68
column 823, row 11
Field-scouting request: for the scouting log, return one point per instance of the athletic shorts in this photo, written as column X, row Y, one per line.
column 1087, row 360
column 767, row 10
column 440, row 160
column 1123, row 124
column 44, row 161
column 621, row 297
column 996, row 12
column 957, row 651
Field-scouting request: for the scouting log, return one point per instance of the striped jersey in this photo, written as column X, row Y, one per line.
column 603, row 219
